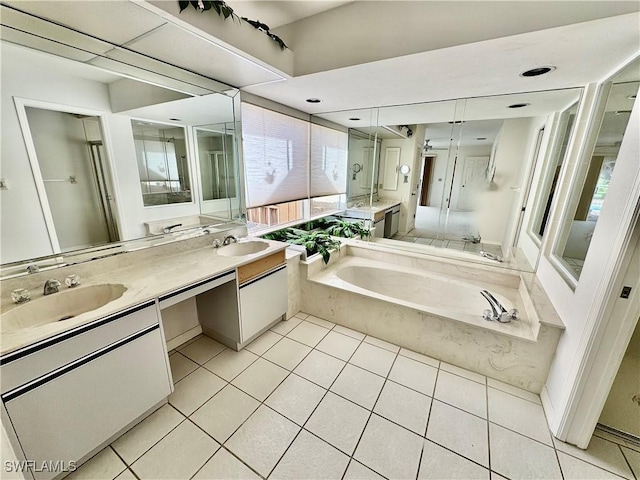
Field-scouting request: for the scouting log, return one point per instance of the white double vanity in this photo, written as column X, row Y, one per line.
column 70, row 386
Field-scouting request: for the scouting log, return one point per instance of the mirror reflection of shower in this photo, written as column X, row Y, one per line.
column 72, row 172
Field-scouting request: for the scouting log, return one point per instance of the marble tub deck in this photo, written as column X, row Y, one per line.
column 517, row 354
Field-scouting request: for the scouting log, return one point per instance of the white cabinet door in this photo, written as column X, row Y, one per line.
column 67, row 413
column 262, row 301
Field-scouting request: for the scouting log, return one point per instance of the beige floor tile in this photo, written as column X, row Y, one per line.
column 178, row 455
column 414, row 374
column 601, row 453
column 357, row 471
column 320, row 368
column 516, row 456
column 260, row 379
column 296, row 398
column 287, row 353
column 104, row 465
column 419, row 357
column 225, row 412
column 263, row 439
column 372, row 358
column 202, row 350
column 633, row 458
column 349, row 332
column 576, row 469
column 338, row 422
column 181, row 366
column 286, row 326
column 381, row 343
column 301, row 315
column 459, row 431
column 338, row 345
column 308, row 333
column 229, row 364
column 309, row 457
column 404, row 406
column 518, row 392
column 195, row 389
column 147, row 433
column 519, row 415
column 389, row 449
column 461, row 392
column 126, row 475
column 438, row 463
column 320, row 321
column 476, row 377
column 224, row 466
column 358, row 385
column 264, row 342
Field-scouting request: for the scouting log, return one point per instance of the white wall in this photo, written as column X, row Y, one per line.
column 498, row 205
column 579, row 309
column 403, row 193
column 23, row 233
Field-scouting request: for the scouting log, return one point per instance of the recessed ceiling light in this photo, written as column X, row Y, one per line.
column 174, row 119
column 481, row 138
column 535, row 72
column 313, row 100
column 519, row 105
column 631, row 97
column 354, row 119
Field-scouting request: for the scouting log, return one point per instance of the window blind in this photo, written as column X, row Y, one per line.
column 276, row 156
column 328, row 161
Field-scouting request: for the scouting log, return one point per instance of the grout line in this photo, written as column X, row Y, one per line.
column 486, row 393
column 126, row 467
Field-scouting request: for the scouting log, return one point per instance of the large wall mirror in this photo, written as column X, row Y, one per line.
column 590, row 187
column 470, row 176
column 104, row 157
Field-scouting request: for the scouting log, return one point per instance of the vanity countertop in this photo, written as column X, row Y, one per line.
column 145, row 280
column 374, row 208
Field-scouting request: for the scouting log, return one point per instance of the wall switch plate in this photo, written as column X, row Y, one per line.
column 626, row 291
column 3, row 184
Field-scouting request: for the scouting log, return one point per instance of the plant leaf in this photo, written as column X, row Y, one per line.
column 183, row 4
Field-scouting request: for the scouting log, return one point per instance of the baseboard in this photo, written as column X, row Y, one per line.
column 549, row 411
column 184, row 337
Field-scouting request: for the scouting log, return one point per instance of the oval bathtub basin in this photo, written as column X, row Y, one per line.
column 242, row 248
column 60, row 306
column 436, row 292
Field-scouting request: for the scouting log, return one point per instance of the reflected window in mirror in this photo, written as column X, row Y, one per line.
column 590, row 188
column 363, row 158
column 547, row 190
column 163, row 164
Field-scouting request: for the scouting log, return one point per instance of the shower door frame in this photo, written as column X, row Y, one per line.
column 21, row 105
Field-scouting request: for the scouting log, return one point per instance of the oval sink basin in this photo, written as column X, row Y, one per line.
column 243, row 248
column 60, row 306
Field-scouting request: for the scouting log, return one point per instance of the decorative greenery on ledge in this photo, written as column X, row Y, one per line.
column 224, row 10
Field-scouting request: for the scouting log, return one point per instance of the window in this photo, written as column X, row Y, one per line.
column 329, row 157
column 276, row 157
column 163, row 165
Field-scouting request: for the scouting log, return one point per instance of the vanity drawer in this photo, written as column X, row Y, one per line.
column 28, row 363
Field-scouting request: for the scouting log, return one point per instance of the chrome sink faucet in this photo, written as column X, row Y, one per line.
column 497, row 312
column 229, row 239
column 51, row 286
column 490, row 256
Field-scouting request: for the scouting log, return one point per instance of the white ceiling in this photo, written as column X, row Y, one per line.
column 203, row 110
column 278, row 13
column 583, row 53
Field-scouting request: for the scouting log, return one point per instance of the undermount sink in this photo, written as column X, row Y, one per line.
column 243, row 248
column 60, row 306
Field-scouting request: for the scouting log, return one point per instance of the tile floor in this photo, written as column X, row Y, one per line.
column 312, row 400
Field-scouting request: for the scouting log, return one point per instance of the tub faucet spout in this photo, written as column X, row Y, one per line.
column 497, row 312
column 490, row 256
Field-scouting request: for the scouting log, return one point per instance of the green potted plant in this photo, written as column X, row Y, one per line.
column 314, row 242
column 342, row 228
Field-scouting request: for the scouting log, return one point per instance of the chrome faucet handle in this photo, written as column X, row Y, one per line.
column 217, row 243
column 33, row 268
column 72, row 281
column 487, row 315
column 51, row 286
column 20, row 295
